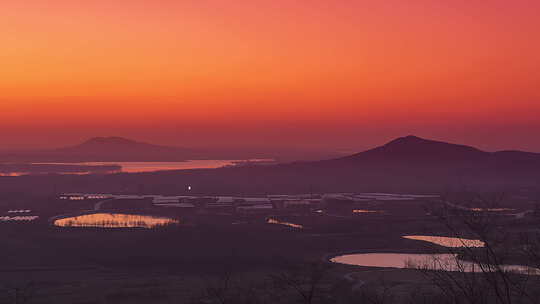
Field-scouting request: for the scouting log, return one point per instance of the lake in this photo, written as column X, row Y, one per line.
column 137, row 167
column 115, row 220
column 446, row 262
column 126, row 167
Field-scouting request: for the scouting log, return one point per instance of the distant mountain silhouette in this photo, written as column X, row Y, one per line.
column 406, row 164
column 122, row 149
column 413, row 148
column 104, row 149
column 119, row 146
column 409, row 163
column 100, row 142
column 417, row 156
column 118, row 149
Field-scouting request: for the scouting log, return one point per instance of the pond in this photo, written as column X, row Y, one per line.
column 366, row 211
column 288, row 224
column 445, row 262
column 449, row 242
column 115, row 220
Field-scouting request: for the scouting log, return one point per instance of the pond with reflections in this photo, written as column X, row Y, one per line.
column 450, row 242
column 444, row 261
column 284, row 223
column 115, row 220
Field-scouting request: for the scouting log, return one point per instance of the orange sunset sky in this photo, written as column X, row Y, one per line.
column 270, row 73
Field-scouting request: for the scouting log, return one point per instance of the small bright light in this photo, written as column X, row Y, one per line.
column 189, row 187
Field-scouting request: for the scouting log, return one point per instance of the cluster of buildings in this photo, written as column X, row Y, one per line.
column 340, row 203
column 81, row 197
column 20, row 211
column 18, row 218
column 13, row 216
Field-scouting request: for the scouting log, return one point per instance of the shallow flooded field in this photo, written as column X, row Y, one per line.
column 115, row 220
column 445, row 262
column 449, row 242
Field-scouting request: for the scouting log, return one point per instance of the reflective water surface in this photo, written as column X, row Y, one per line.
column 114, row 220
column 135, row 167
column 366, row 211
column 446, row 262
column 278, row 222
column 138, row 167
column 450, row 242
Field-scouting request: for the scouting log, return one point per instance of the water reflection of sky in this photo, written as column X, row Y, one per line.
column 288, row 224
column 138, row 167
column 446, row 262
column 450, row 242
column 114, row 220
column 366, row 211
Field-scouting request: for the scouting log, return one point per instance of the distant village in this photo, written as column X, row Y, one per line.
column 337, row 203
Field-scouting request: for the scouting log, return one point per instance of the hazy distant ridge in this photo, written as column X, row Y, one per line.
column 105, row 149
column 405, row 164
column 122, row 149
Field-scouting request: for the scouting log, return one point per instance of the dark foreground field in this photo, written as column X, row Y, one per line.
column 209, row 259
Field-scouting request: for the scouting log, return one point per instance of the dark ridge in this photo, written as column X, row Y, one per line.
column 109, row 141
column 405, row 164
column 413, row 148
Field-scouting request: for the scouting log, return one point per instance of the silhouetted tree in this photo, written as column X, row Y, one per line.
column 306, row 281
column 479, row 274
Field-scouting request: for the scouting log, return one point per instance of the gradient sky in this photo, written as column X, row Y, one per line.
column 312, row 74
